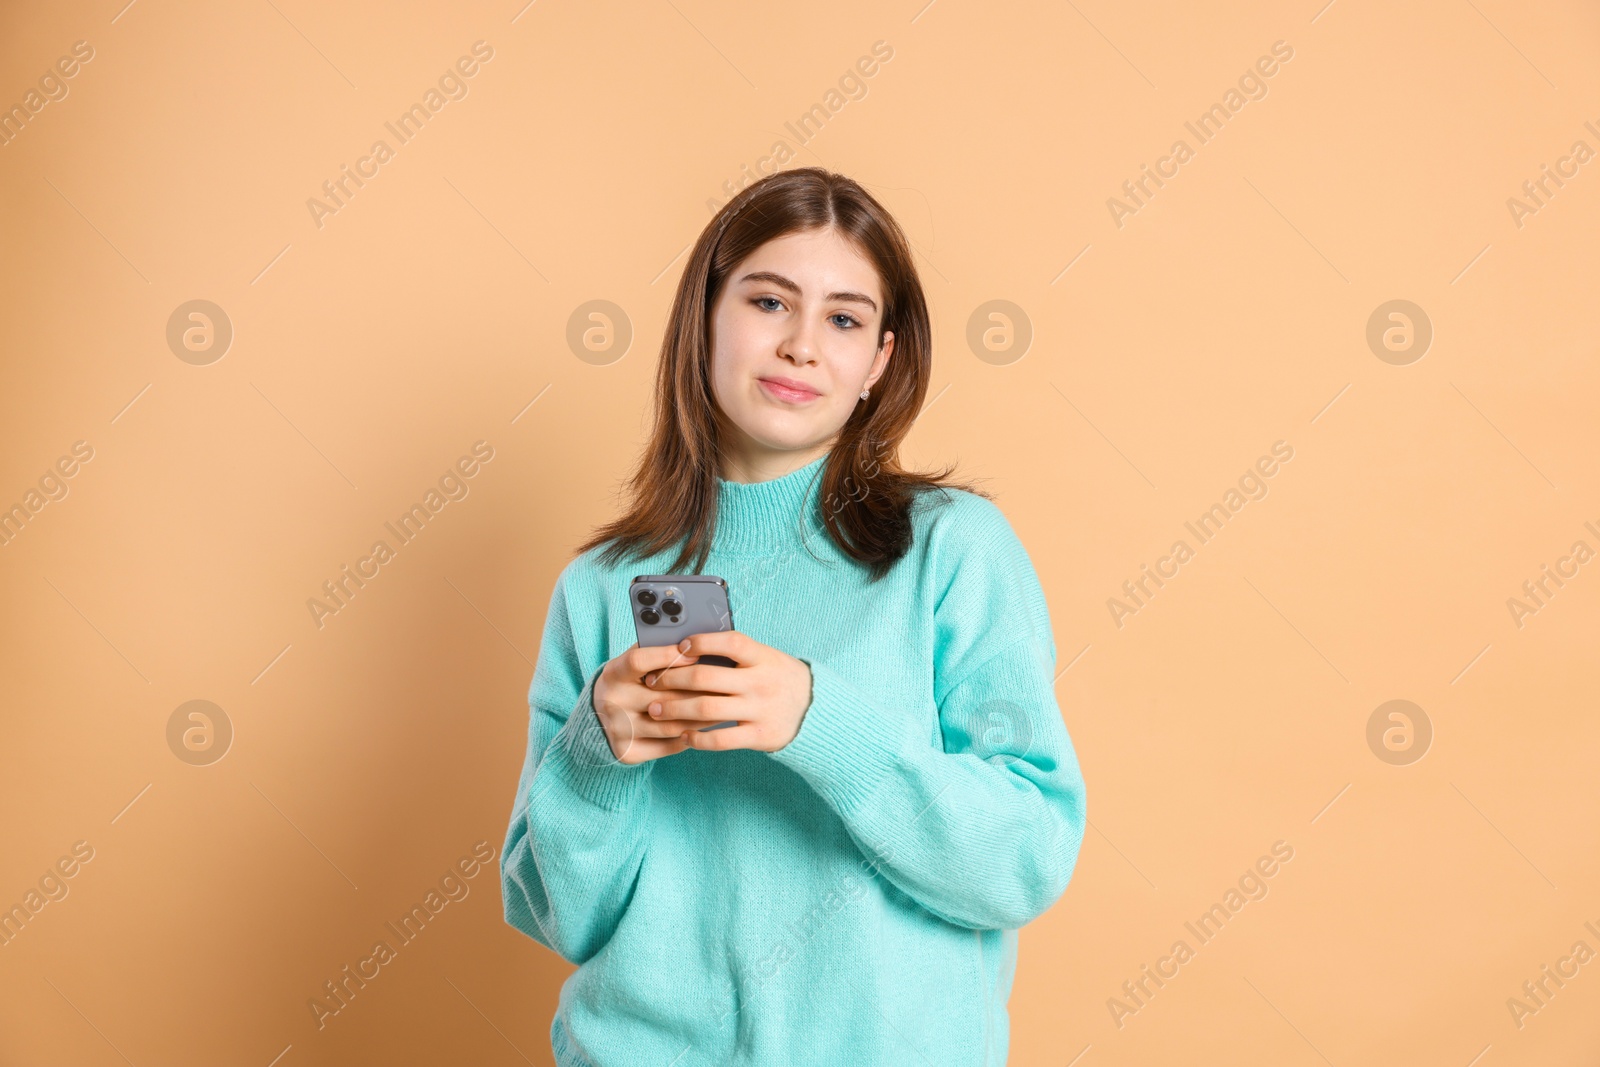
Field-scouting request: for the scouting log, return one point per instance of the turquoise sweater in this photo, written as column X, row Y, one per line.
column 852, row 899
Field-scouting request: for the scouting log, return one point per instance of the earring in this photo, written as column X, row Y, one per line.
column 864, row 393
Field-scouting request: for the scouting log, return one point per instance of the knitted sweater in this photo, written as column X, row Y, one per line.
column 851, row 899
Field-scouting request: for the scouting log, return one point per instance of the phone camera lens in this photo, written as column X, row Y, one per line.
column 672, row 607
column 650, row 616
column 646, row 597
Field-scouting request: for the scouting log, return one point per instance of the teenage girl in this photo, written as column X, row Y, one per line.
column 839, row 878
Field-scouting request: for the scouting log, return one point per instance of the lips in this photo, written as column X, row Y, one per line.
column 788, row 389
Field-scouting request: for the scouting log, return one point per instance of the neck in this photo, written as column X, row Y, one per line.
column 753, row 463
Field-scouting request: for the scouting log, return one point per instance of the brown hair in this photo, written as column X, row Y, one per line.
column 866, row 495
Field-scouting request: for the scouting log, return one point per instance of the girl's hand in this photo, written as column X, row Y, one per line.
column 767, row 694
column 620, row 698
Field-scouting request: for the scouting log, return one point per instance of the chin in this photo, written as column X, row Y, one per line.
column 787, row 437
column 778, row 429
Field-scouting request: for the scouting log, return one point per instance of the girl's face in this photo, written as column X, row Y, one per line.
column 794, row 340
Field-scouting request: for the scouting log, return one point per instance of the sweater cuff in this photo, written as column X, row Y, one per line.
column 845, row 747
column 580, row 756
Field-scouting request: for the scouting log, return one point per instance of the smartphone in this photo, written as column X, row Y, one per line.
column 666, row 608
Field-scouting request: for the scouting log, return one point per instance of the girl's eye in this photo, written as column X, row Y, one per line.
column 850, row 321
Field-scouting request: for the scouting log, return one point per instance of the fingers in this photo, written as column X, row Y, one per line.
column 688, row 696
column 694, row 708
column 637, row 699
column 650, row 728
column 646, row 723
column 746, row 735
column 671, row 718
column 700, row 677
column 640, row 660
column 739, row 647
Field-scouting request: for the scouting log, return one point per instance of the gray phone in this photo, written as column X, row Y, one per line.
column 666, row 608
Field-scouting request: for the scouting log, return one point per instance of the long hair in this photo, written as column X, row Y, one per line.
column 866, row 496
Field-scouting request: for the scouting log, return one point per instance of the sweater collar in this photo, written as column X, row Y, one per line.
column 761, row 518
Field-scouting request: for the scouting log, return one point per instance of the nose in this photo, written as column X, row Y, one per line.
column 800, row 344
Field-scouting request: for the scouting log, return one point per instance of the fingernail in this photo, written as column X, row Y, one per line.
column 655, row 709
column 683, row 646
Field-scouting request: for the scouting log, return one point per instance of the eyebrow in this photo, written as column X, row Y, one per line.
column 784, row 283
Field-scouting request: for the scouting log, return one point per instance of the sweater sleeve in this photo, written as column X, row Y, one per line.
column 577, row 835
column 985, row 832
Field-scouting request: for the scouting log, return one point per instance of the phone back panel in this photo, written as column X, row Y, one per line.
column 703, row 600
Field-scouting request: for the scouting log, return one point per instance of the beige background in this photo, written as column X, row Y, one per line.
column 1228, row 313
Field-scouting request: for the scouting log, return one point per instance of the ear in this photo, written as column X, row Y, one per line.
column 880, row 362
